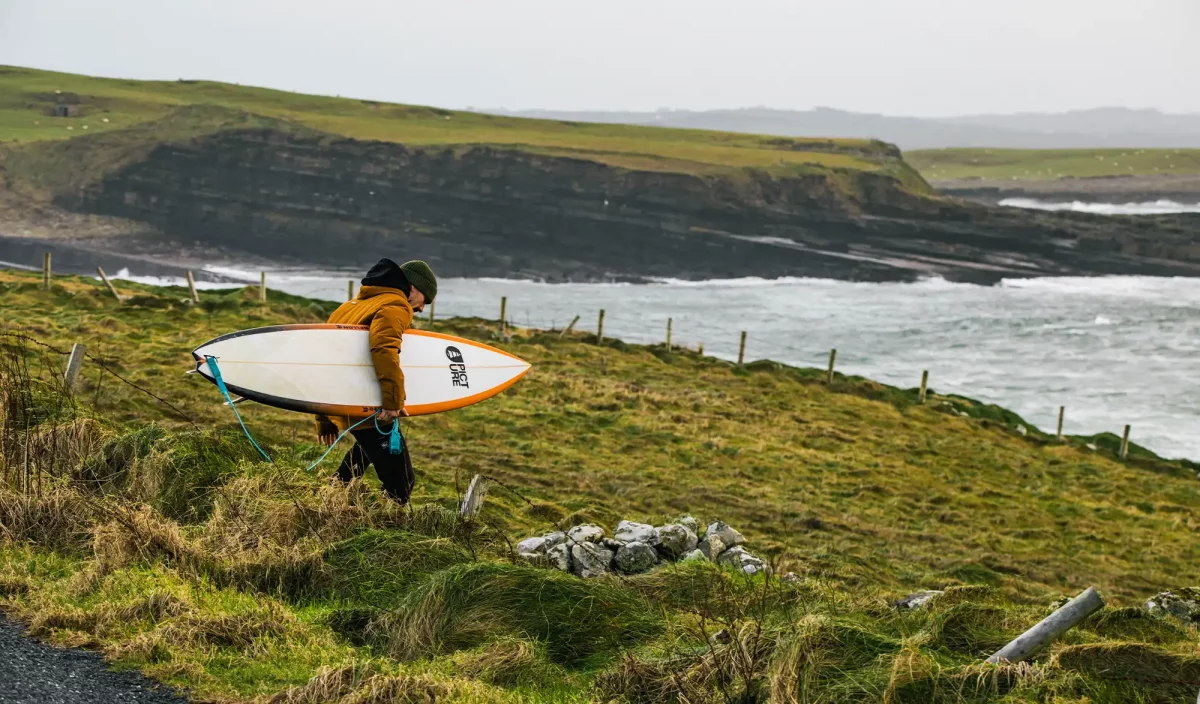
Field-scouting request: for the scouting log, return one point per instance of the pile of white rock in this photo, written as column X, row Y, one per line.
column 638, row 547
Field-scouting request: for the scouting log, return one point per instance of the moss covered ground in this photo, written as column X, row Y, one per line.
column 172, row 548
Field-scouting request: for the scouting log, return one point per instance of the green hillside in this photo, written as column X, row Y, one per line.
column 174, row 549
column 28, row 99
column 1038, row 164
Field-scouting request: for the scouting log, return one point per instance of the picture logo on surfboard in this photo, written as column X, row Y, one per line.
column 458, row 370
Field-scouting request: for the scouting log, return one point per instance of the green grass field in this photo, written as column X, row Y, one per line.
column 28, row 97
column 1024, row 164
column 175, row 550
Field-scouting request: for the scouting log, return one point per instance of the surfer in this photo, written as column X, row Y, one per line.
column 389, row 296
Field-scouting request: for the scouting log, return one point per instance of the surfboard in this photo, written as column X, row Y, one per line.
column 327, row 369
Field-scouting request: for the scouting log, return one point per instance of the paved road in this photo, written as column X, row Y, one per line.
column 35, row 673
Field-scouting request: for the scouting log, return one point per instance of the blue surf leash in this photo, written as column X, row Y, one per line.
column 394, row 442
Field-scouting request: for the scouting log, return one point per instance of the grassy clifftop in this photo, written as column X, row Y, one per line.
column 1045, row 164
column 28, row 98
column 174, row 549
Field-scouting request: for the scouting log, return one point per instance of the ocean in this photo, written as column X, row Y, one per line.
column 1113, row 350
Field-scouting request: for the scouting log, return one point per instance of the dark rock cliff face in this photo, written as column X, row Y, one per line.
column 493, row 212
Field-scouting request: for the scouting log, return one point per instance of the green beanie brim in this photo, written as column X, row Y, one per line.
column 421, row 276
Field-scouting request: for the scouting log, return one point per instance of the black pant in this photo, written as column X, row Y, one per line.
column 395, row 471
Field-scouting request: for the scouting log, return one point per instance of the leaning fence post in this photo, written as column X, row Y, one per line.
column 350, row 290
column 431, row 304
column 503, row 312
column 600, row 327
column 71, row 376
column 1050, row 627
column 700, row 349
column 742, row 349
column 192, row 287
column 108, row 283
column 262, row 286
column 832, row 358
column 668, row 334
column 924, row 385
column 1125, row 443
column 46, row 271
column 569, row 327
column 1062, row 410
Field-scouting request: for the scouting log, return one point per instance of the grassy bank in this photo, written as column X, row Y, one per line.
column 1037, row 164
column 28, row 98
column 174, row 549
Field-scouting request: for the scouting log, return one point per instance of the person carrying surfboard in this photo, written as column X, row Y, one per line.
column 391, row 293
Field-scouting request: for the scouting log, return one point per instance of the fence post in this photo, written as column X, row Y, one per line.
column 350, row 290
column 431, row 305
column 1061, row 412
column 46, row 271
column 192, row 287
column 503, row 312
column 1125, row 443
column 1050, row 627
column 71, row 376
column 569, row 327
column 262, row 286
column 108, row 283
column 832, row 359
column 668, row 334
column 924, row 384
column 700, row 349
column 600, row 327
column 742, row 350
column 473, row 500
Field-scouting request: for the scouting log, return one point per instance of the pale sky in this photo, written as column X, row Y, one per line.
column 899, row 57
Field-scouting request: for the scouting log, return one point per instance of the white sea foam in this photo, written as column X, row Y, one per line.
column 1158, row 207
column 124, row 275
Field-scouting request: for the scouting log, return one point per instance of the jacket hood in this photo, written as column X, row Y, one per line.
column 387, row 273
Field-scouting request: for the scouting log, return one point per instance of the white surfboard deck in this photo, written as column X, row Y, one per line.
column 327, row 369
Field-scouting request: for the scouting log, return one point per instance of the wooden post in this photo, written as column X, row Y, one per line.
column 46, row 271
column 350, row 290
column 600, row 327
column 71, row 376
column 262, row 286
column 700, row 349
column 192, row 287
column 1050, row 627
column 1125, row 443
column 431, row 304
column 832, row 358
column 1062, row 410
column 503, row 312
column 473, row 500
column 668, row 334
column 924, row 384
column 108, row 283
column 742, row 349
column 569, row 327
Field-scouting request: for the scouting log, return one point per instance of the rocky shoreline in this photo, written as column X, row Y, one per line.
column 1181, row 188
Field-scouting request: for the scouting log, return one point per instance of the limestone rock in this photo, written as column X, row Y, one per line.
column 729, row 537
column 559, row 557
column 693, row 556
column 590, row 559
column 690, row 523
column 541, row 544
column 612, row 544
column 630, row 532
column 586, row 533
column 738, row 557
column 712, row 547
column 918, row 599
column 790, row 578
column 1183, row 604
column 635, row 557
column 676, row 540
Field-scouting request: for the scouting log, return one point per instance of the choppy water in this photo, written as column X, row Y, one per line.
column 1113, row 350
column 1158, row 207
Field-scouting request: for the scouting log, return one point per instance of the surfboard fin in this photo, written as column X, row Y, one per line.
column 235, row 401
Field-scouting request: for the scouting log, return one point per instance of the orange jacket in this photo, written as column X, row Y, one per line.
column 388, row 313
